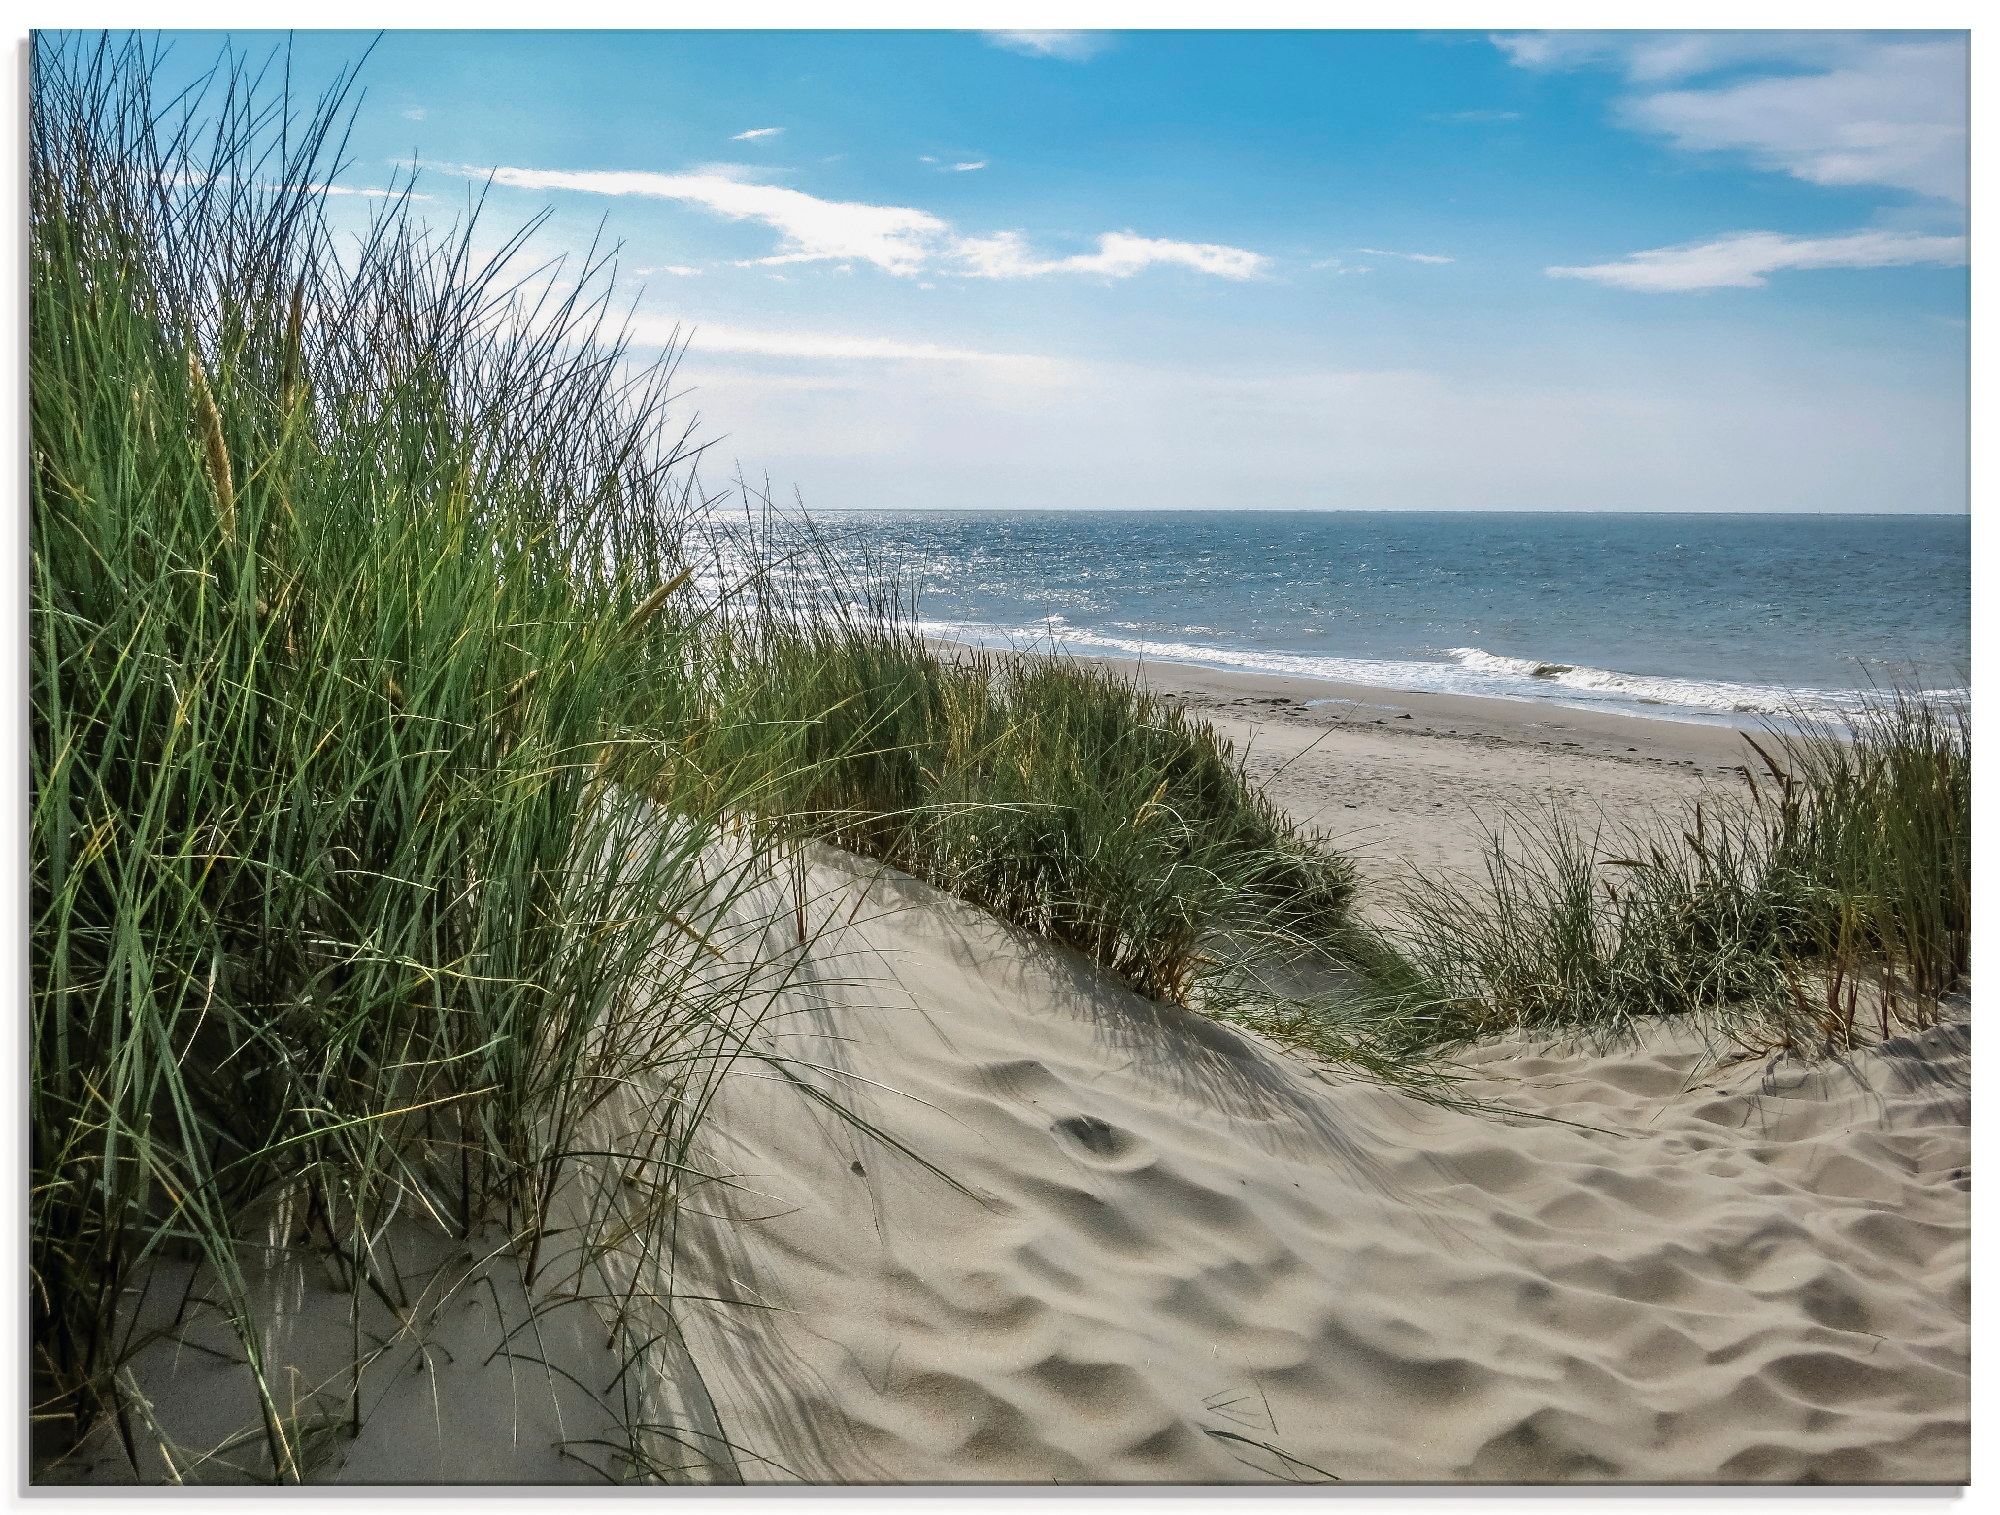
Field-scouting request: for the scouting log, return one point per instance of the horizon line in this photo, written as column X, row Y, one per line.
column 1315, row 510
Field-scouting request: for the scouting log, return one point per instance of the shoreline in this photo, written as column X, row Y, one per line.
column 1726, row 704
column 1306, row 700
column 1301, row 700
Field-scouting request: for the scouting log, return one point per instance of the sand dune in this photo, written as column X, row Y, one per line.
column 1170, row 1254
column 1098, row 1239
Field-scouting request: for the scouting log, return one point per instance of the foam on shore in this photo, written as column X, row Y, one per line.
column 1461, row 671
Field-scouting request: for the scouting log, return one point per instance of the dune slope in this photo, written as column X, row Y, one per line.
column 1166, row 1253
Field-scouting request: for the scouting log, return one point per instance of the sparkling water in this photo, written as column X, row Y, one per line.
column 1706, row 617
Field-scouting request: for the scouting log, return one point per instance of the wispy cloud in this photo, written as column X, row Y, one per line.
column 703, row 337
column 1835, row 108
column 892, row 237
column 1071, row 47
column 1383, row 252
column 680, row 269
column 1471, row 116
column 348, row 189
column 1740, row 260
column 1655, row 57
column 758, row 133
column 899, row 239
column 415, row 113
column 1898, row 118
column 1342, row 266
column 966, row 168
column 1118, row 255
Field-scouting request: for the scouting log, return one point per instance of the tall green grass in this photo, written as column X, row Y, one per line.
column 345, row 569
column 1826, row 905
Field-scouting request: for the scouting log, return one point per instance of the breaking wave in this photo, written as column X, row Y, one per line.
column 1457, row 670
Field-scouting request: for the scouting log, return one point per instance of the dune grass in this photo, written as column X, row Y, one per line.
column 1053, row 793
column 336, row 560
column 1825, row 906
column 365, row 606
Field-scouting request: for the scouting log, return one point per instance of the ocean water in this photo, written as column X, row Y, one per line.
column 1702, row 617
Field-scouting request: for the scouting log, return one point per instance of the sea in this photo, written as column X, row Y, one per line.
column 1730, row 619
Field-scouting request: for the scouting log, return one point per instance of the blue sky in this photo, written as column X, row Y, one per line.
column 1364, row 270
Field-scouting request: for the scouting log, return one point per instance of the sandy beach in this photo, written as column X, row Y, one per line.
column 1183, row 1255
column 1400, row 779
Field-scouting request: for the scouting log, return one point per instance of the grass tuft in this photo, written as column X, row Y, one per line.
column 1826, row 906
column 1055, row 794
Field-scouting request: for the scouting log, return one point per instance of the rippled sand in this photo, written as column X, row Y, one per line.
column 1178, row 1255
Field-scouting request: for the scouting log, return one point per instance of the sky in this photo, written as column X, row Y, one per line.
column 1194, row 270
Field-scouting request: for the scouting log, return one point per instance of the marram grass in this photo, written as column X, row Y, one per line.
column 1053, row 793
column 336, row 559
column 1825, row 905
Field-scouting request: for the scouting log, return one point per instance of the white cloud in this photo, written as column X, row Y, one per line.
column 893, row 237
column 795, row 344
column 1657, row 57
column 1835, row 108
column 1342, row 266
column 758, row 133
column 680, row 269
column 1119, row 255
column 740, row 173
column 701, row 337
column 1898, row 119
column 345, row 189
column 1071, row 47
column 1740, row 260
column 966, row 168
column 415, row 113
column 897, row 238
column 1383, row 252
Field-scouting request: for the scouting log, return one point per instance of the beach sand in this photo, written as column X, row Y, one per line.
column 1169, row 1253
column 1421, row 792
column 1098, row 1239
